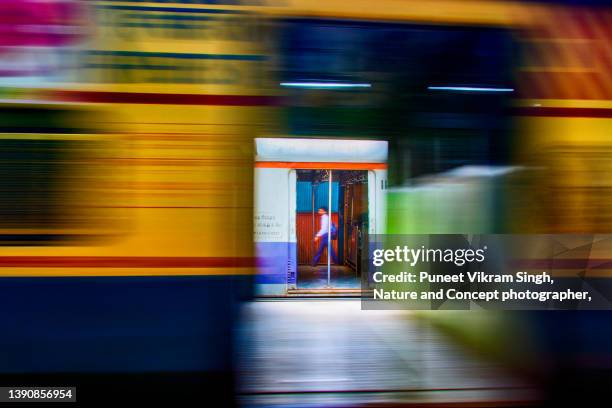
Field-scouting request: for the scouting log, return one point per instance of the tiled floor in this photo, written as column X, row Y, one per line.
column 341, row 277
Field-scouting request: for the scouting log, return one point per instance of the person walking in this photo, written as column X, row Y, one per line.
column 322, row 236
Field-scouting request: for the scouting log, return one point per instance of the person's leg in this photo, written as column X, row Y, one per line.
column 333, row 253
column 322, row 245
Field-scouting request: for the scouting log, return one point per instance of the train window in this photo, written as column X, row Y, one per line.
column 414, row 85
column 52, row 183
column 31, row 179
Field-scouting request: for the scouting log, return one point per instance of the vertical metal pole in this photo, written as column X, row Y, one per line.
column 312, row 199
column 329, row 215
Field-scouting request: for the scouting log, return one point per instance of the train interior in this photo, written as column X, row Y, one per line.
column 349, row 215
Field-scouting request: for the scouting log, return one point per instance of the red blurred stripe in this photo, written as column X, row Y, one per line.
column 163, row 98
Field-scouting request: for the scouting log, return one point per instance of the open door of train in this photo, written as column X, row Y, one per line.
column 316, row 203
column 331, row 229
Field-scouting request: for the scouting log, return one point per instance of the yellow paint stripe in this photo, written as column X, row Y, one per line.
column 564, row 103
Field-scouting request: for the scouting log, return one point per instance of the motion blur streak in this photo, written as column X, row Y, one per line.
column 131, row 228
column 323, row 85
column 388, row 358
column 468, row 89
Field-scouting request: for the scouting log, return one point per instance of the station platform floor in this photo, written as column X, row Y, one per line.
column 341, row 277
column 330, row 353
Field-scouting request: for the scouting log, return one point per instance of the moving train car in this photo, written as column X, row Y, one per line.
column 292, row 182
column 128, row 157
column 125, row 223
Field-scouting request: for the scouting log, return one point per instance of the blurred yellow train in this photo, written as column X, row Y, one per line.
column 127, row 156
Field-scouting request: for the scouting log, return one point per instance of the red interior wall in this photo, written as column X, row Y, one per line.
column 305, row 236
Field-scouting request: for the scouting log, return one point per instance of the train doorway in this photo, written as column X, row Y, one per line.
column 358, row 173
column 330, row 203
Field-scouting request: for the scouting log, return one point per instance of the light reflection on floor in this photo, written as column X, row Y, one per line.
column 341, row 277
column 329, row 352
